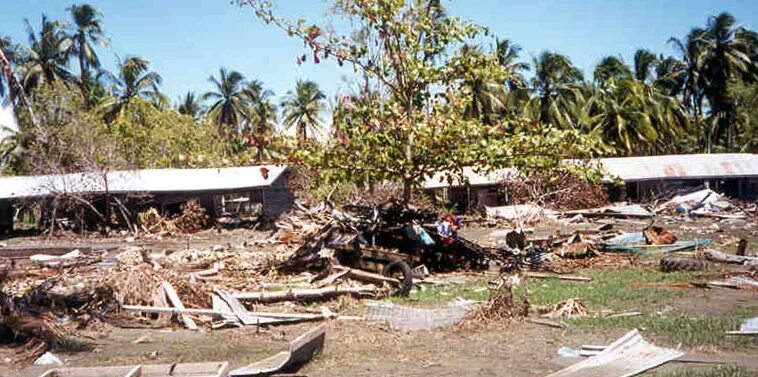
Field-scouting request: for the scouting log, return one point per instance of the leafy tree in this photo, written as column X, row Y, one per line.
column 301, row 108
column 228, row 107
column 416, row 124
column 88, row 31
column 151, row 137
column 46, row 57
column 190, row 105
column 746, row 100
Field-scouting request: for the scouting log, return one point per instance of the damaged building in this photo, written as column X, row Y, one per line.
column 236, row 191
column 627, row 178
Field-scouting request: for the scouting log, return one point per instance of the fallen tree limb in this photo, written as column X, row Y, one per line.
column 314, row 294
column 368, row 277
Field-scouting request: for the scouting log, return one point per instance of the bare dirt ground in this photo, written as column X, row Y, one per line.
column 470, row 349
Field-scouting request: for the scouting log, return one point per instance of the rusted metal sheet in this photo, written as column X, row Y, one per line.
column 630, row 169
column 627, row 356
column 690, row 166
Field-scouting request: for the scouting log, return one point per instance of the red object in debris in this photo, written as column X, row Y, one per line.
column 264, row 173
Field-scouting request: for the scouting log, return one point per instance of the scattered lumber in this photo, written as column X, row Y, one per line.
column 306, row 294
column 179, row 311
column 173, row 297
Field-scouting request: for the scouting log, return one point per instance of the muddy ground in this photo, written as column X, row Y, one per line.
column 691, row 319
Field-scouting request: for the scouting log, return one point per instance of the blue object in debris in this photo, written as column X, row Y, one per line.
column 423, row 235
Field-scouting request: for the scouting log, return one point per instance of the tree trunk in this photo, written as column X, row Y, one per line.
column 407, row 190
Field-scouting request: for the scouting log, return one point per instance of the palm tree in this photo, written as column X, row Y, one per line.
column 670, row 75
column 302, row 108
column 636, row 117
column 88, row 31
column 555, row 83
column 12, row 54
column 263, row 118
column 135, row 79
column 486, row 96
column 260, row 115
column 644, row 63
column 47, row 55
column 229, row 104
column 729, row 49
column 190, row 105
column 508, row 57
column 611, row 69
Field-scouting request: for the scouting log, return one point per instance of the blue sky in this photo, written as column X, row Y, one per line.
column 188, row 40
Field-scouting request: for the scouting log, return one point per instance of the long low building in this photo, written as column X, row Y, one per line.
column 220, row 190
column 735, row 174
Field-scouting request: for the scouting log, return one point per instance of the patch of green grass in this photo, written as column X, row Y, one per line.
column 687, row 331
column 720, row 371
column 617, row 289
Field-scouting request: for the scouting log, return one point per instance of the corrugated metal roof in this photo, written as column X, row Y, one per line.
column 152, row 180
column 693, row 166
column 685, row 166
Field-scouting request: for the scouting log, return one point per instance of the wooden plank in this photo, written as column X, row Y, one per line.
column 182, row 311
column 223, row 371
column 173, row 297
column 135, row 372
column 305, row 294
column 237, row 308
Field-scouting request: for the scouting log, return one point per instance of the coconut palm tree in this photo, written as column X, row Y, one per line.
column 301, row 108
column 644, row 63
column 88, row 31
column 46, row 58
column 228, row 107
column 190, row 105
column 636, row 117
column 611, row 69
column 670, row 75
column 260, row 116
column 135, row 79
column 508, row 57
column 555, row 83
column 693, row 51
column 486, row 96
column 263, row 118
column 11, row 52
column 729, row 48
